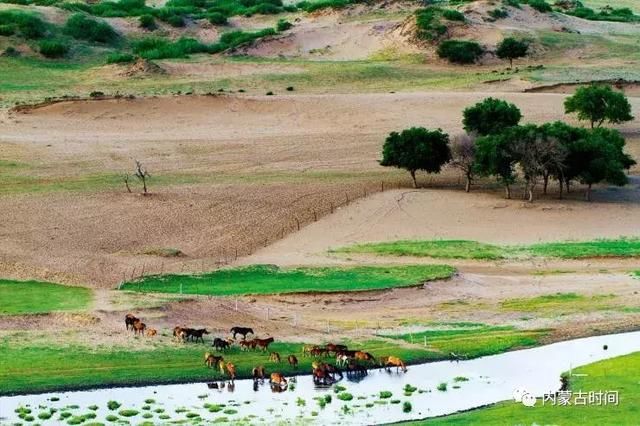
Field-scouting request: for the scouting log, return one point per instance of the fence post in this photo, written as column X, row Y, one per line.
column 297, row 223
column 382, row 186
column 315, row 216
column 236, row 303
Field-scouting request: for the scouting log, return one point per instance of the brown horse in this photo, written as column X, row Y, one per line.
column 364, row 356
column 317, row 351
column 231, row 370
column 394, row 361
column 274, row 356
column 293, row 361
column 196, row 334
column 139, row 327
column 263, row 344
column 211, row 360
column 306, row 349
column 330, row 347
column 129, row 319
column 151, row 332
column 258, row 373
column 179, row 333
column 278, row 379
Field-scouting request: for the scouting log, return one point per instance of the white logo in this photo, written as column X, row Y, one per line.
column 522, row 395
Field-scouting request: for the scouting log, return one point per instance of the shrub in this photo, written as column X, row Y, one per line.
column 236, row 38
column 128, row 413
column 147, row 21
column 428, row 23
column 113, row 405
column 21, row 23
column 385, row 394
column 406, row 407
column 442, row 387
column 344, row 396
column 323, row 4
column 53, row 48
column 175, row 21
column 120, row 58
column 290, row 89
column 84, row 28
column 498, row 13
column 160, row 48
column 540, row 5
column 460, row 51
column 111, row 418
column 269, row 93
column 45, row 415
column 283, row 25
column 217, row 18
column 453, row 15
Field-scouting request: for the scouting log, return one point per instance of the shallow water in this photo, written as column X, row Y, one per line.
column 491, row 379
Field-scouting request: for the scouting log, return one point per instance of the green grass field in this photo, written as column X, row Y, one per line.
column 475, row 340
column 41, row 368
column 617, row 374
column 560, row 304
column 461, row 249
column 30, row 297
column 266, row 279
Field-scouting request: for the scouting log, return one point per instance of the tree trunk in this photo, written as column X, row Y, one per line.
column 467, row 186
column 531, row 194
column 546, row 183
column 568, row 186
column 413, row 176
column 507, row 190
column 560, row 184
column 587, row 194
column 511, row 63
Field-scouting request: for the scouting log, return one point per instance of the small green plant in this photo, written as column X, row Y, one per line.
column 82, row 27
column 113, row 405
column 460, row 51
column 406, row 407
column 283, row 25
column 442, row 387
column 128, row 412
column 540, row 5
column 460, row 379
column 385, row 394
column 147, row 22
column 53, row 48
column 45, row 415
column 344, row 396
column 217, row 18
column 498, row 13
column 453, row 15
column 120, row 58
column 111, row 418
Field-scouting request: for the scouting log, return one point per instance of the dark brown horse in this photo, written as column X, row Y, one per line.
column 293, row 361
column 263, row 344
column 258, row 373
column 330, row 347
column 129, row 319
column 139, row 327
column 196, row 334
column 242, row 331
column 220, row 344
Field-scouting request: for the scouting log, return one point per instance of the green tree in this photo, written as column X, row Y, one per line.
column 511, row 48
column 416, row 149
column 460, row 51
column 495, row 156
column 490, row 116
column 597, row 104
column 601, row 158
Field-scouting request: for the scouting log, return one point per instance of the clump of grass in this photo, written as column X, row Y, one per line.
column 128, row 413
column 344, row 396
column 53, row 48
column 442, row 387
column 113, row 405
column 45, row 415
column 460, row 379
column 112, row 418
column 406, row 407
column 385, row 394
column 82, row 27
column 23, row 24
column 230, row 411
column 120, row 58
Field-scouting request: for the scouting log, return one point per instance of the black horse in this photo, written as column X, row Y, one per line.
column 220, row 344
column 241, row 330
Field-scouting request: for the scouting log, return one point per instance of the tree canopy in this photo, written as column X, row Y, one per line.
column 416, row 149
column 490, row 116
column 597, row 104
column 511, row 48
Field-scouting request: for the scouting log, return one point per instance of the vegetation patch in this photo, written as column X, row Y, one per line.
column 30, row 297
column 561, row 303
column 266, row 279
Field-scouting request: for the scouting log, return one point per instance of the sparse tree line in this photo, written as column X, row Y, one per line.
column 497, row 145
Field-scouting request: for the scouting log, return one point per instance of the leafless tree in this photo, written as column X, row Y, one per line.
column 538, row 157
column 463, row 155
column 143, row 175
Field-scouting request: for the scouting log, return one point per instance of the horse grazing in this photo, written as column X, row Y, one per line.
column 263, row 344
column 330, row 347
column 139, row 327
column 211, row 360
column 220, row 344
column 196, row 334
column 394, row 361
column 151, row 332
column 364, row 356
column 293, row 361
column 129, row 320
column 278, row 379
column 306, row 349
column 274, row 356
column 258, row 373
column 242, row 331
column 353, row 368
column 317, row 352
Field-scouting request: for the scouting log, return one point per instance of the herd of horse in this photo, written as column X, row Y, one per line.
column 353, row 363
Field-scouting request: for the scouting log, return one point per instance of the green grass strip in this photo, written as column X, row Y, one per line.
column 31, row 297
column 268, row 279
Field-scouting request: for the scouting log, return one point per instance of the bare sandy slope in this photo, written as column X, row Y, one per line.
column 236, row 171
column 445, row 214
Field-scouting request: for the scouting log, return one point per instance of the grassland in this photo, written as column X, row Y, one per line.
column 73, row 367
column 30, row 297
column 461, row 249
column 560, row 303
column 475, row 340
column 610, row 375
column 266, row 279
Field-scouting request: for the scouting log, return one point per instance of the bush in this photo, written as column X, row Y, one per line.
column 406, row 407
column 428, row 23
column 453, row 15
column 176, row 21
column 323, row 4
column 84, row 28
column 53, row 48
column 160, row 48
column 498, row 13
column 442, row 387
column 283, row 25
column 147, row 21
column 128, row 413
column 385, row 394
column 540, row 5
column 460, row 51
column 120, row 58
column 344, row 396
column 113, row 405
column 21, row 23
column 217, row 18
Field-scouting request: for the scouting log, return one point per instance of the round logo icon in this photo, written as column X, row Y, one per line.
column 518, row 393
column 528, row 400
